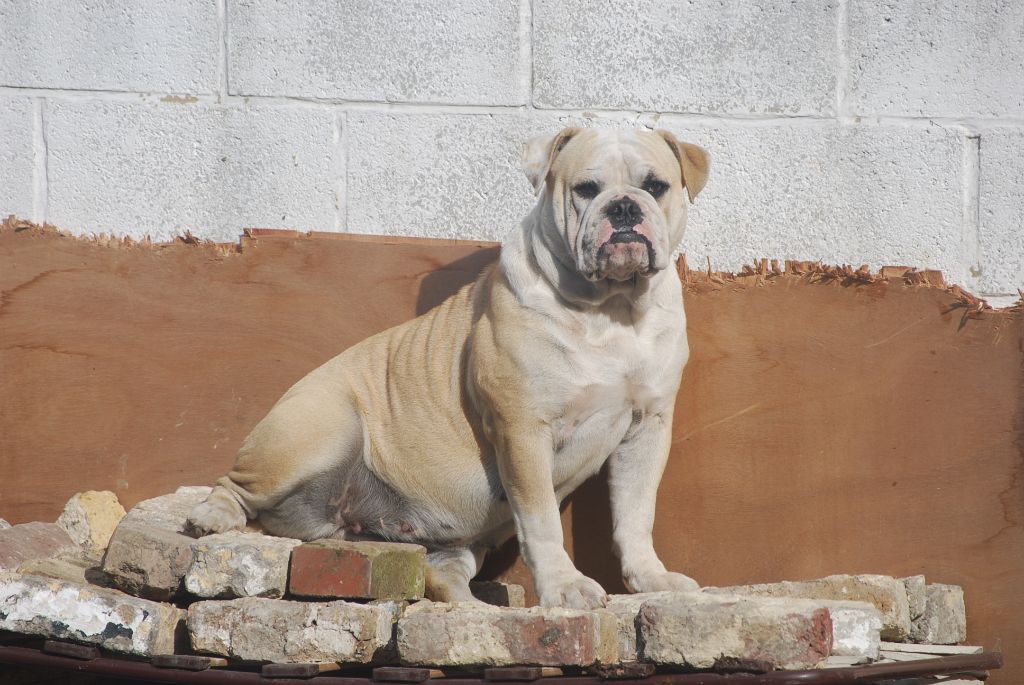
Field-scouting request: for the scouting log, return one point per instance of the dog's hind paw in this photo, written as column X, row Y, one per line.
column 218, row 514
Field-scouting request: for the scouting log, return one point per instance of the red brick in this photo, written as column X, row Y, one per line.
column 29, row 541
column 357, row 570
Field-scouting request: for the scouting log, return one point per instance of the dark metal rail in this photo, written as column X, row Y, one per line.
column 141, row 670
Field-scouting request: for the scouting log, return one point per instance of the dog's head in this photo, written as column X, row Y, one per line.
column 616, row 198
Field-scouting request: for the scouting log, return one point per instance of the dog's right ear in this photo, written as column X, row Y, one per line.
column 540, row 152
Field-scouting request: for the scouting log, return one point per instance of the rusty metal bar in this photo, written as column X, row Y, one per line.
column 141, row 670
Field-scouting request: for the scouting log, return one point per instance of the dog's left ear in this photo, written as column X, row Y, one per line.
column 540, row 152
column 694, row 163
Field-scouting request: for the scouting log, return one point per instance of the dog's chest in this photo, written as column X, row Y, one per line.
column 614, row 378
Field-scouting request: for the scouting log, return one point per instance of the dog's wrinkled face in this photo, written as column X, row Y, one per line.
column 617, row 198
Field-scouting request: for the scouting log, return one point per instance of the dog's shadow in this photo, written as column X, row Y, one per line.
column 590, row 533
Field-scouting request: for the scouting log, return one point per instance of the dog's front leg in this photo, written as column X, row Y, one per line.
column 634, row 472
column 525, row 455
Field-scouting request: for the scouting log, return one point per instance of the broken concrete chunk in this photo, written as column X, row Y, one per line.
column 75, row 566
column 28, row 541
column 147, row 562
column 706, row 631
column 90, row 518
column 358, row 570
column 68, row 611
column 885, row 593
column 915, row 595
column 239, row 564
column 944, row 621
column 283, row 631
column 498, row 593
column 856, row 629
column 473, row 634
column 4, row 525
column 626, row 608
column 168, row 512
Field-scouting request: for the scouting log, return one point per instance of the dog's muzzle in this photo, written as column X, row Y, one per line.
column 625, row 246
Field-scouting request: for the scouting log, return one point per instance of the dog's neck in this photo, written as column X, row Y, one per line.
column 532, row 256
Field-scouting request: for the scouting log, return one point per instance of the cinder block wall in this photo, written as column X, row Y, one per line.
column 851, row 131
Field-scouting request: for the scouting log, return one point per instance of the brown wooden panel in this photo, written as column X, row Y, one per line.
column 822, row 427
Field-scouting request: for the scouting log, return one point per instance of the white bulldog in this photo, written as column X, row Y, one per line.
column 472, row 422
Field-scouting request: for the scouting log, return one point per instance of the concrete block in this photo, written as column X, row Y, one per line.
column 110, row 45
column 357, row 570
column 944, row 621
column 238, row 564
column 148, row 555
column 459, row 52
column 871, row 195
column 17, row 156
column 951, row 59
column 1001, row 201
column 888, row 595
column 90, row 518
column 160, row 169
column 695, row 630
column 443, row 176
column 28, row 541
column 474, row 634
column 770, row 56
column 68, row 611
column 498, row 593
column 915, row 586
column 856, row 629
column 281, row 631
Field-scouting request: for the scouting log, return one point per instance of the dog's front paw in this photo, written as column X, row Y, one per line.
column 661, row 582
column 574, row 592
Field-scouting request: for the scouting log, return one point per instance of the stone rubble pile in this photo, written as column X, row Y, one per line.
column 134, row 583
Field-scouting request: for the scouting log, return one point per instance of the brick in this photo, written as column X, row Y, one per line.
column 282, row 631
column 919, row 58
column 626, row 608
column 239, row 564
column 160, row 169
column 17, row 156
column 944, row 621
column 110, row 45
column 498, row 593
column 856, row 629
column 473, row 634
column 707, row 631
column 28, row 541
column 1001, row 200
column 459, row 52
column 735, row 57
column 74, row 567
column 68, row 611
column 148, row 555
column 888, row 595
column 871, row 195
column 357, row 570
column 90, row 518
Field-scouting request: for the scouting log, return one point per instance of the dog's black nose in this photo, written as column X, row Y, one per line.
column 624, row 213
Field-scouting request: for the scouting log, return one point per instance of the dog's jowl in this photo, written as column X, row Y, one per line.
column 471, row 423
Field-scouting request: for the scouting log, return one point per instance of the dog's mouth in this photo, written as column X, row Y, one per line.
column 626, row 253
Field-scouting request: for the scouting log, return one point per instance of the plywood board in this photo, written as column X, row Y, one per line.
column 828, row 422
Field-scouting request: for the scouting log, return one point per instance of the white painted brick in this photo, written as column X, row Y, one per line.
column 955, row 58
column 458, row 51
column 1001, row 229
column 448, row 176
column 161, row 169
column 17, row 158
column 732, row 56
column 858, row 195
column 110, row 45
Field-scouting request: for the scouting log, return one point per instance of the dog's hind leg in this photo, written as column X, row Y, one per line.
column 449, row 572
column 291, row 466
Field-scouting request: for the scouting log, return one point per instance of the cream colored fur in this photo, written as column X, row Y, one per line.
column 472, row 422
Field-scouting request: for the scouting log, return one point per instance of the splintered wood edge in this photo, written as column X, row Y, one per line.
column 760, row 273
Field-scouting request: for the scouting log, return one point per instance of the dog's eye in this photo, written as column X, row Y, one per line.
column 587, row 190
column 655, row 187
